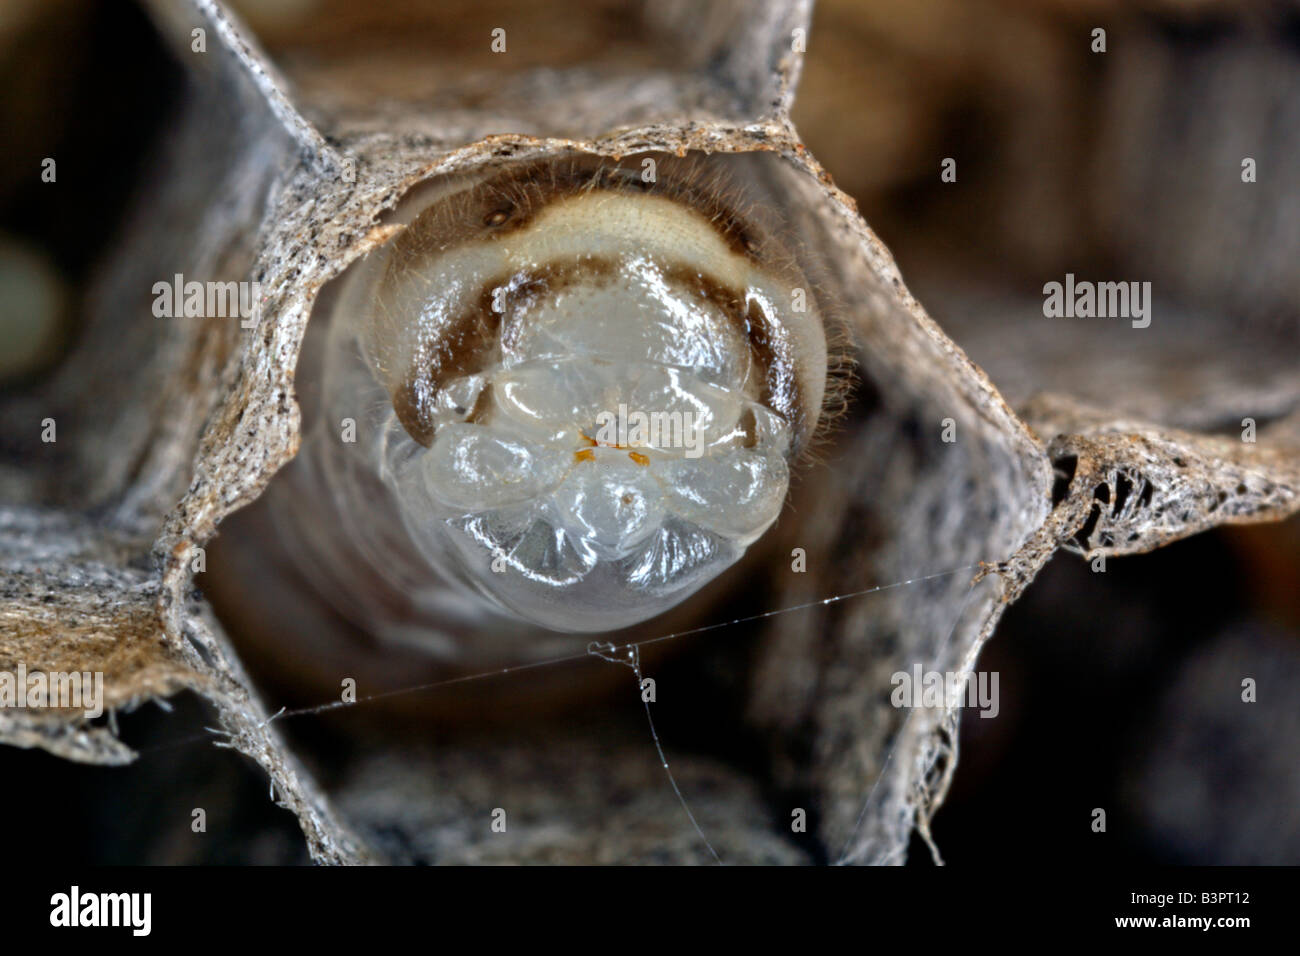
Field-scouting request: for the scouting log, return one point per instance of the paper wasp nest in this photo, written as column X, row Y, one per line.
column 427, row 450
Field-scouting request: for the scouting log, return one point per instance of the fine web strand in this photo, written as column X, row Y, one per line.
column 629, row 654
column 286, row 713
column 632, row 659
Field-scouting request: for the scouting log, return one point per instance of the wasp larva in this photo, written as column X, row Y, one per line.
column 578, row 387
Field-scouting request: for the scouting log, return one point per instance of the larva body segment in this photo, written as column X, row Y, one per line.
column 581, row 390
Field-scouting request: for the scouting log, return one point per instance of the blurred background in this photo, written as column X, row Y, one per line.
column 1118, row 690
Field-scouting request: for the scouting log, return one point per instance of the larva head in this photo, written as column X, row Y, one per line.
column 597, row 376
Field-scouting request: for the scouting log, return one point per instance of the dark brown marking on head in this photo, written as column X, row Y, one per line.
column 468, row 347
column 471, row 343
column 413, row 410
column 774, row 365
column 748, row 426
column 474, row 338
column 479, row 414
column 783, row 392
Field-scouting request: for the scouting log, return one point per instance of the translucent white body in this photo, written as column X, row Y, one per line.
column 604, row 449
